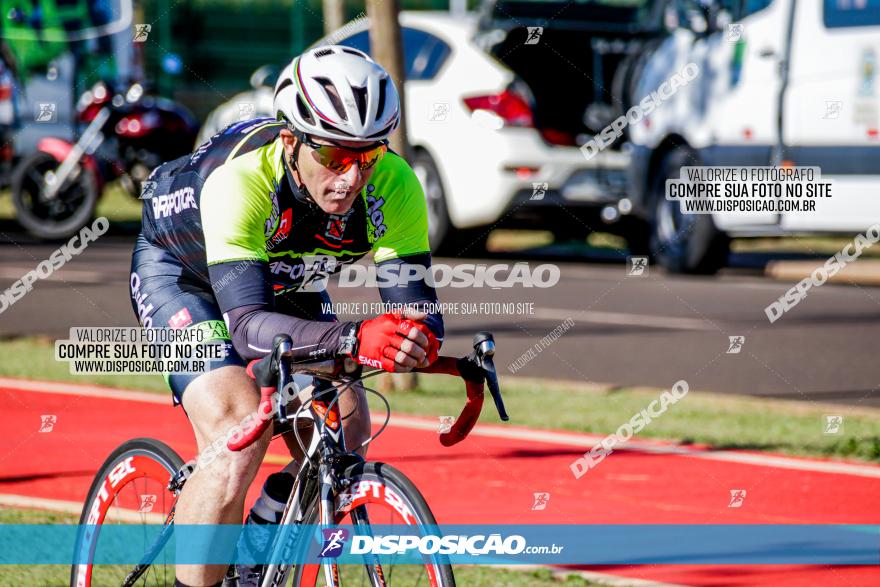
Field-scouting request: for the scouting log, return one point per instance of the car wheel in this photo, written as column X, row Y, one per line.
column 683, row 243
column 443, row 236
column 439, row 225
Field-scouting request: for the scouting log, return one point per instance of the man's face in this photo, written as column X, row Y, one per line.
column 334, row 192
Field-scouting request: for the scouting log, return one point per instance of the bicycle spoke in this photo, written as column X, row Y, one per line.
column 136, row 498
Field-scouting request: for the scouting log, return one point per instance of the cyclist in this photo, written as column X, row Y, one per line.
column 237, row 240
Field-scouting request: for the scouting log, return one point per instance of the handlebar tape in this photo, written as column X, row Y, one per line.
column 255, row 425
column 470, row 413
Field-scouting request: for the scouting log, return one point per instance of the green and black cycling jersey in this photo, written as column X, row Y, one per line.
column 232, row 216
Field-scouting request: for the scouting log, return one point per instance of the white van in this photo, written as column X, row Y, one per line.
column 781, row 82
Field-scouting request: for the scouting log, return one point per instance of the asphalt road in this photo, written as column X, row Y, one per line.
column 651, row 330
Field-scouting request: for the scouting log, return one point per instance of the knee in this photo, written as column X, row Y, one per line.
column 357, row 425
column 217, row 404
column 240, row 468
column 232, row 472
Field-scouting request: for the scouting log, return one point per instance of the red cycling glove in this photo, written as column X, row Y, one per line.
column 379, row 340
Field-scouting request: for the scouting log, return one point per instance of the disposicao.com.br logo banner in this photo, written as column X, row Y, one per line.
column 752, row 544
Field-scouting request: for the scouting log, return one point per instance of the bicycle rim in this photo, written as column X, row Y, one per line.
column 130, row 488
column 386, row 496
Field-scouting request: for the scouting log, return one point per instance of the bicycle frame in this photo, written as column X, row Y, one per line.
column 325, row 479
column 327, row 457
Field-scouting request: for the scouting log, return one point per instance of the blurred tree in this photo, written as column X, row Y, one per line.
column 221, row 42
column 387, row 50
column 334, row 15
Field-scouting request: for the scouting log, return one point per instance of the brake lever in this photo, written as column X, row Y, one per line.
column 484, row 350
column 492, row 381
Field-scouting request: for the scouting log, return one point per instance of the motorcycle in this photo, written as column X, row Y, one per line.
column 127, row 134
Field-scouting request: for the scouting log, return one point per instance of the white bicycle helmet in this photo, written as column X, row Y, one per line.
column 338, row 93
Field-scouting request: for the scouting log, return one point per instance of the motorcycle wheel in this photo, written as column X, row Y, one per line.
column 57, row 219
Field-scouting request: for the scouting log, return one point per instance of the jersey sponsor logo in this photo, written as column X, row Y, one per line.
column 374, row 212
column 286, row 222
column 283, row 229
column 375, row 363
column 311, row 267
column 309, row 273
column 273, row 215
column 140, row 300
column 173, row 203
column 213, row 330
column 335, row 228
column 181, row 319
column 295, row 271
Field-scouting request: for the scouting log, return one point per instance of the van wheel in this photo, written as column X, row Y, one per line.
column 683, row 243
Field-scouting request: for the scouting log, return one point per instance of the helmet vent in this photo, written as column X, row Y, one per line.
column 303, row 111
column 352, row 51
column 381, row 105
column 331, row 128
column 360, row 95
column 384, row 132
column 287, row 82
column 331, row 92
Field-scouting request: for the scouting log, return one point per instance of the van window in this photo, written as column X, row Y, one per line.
column 850, row 13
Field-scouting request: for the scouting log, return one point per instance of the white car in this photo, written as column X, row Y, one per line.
column 474, row 146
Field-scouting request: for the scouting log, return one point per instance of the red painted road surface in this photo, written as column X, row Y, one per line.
column 485, row 479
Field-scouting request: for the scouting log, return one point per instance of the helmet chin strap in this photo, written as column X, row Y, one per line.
column 300, row 192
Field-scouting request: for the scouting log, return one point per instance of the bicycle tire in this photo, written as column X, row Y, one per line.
column 150, row 459
column 442, row 576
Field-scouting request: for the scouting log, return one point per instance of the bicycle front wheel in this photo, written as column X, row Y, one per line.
column 378, row 495
column 130, row 488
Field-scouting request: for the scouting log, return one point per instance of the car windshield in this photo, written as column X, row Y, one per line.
column 626, row 12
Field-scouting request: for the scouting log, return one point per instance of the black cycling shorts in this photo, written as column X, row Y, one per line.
column 165, row 294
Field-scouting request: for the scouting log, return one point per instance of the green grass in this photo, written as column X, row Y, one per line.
column 7, row 210
column 30, row 575
column 518, row 240
column 704, row 418
column 115, row 204
column 17, row 516
column 59, row 575
column 820, row 245
column 34, row 358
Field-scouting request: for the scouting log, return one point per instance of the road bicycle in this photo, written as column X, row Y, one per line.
column 140, row 481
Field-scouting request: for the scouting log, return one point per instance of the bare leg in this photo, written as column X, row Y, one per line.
column 215, row 493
